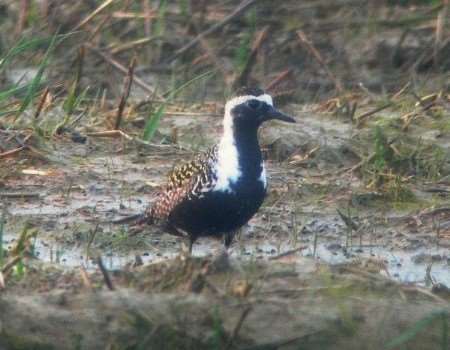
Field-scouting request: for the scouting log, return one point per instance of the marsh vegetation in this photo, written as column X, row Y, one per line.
column 98, row 101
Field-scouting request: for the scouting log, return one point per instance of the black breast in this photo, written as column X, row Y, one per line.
column 219, row 212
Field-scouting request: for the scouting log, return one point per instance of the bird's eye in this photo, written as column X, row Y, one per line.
column 254, row 104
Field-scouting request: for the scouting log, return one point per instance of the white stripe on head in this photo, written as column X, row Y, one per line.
column 242, row 99
column 227, row 167
column 228, row 120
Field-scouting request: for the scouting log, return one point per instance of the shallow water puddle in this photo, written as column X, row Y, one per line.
column 404, row 266
column 399, row 265
column 106, row 186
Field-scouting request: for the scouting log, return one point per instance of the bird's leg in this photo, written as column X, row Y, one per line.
column 191, row 241
column 135, row 229
column 220, row 260
column 187, row 246
column 228, row 239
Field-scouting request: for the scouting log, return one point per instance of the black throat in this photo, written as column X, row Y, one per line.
column 249, row 152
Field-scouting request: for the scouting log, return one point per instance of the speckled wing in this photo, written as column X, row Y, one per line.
column 185, row 182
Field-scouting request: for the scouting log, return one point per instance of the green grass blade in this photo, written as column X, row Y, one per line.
column 173, row 93
column 69, row 103
column 153, row 121
column 28, row 44
column 35, row 83
column 29, row 90
column 412, row 332
column 445, row 335
column 20, row 47
column 72, row 102
column 12, row 92
column 243, row 50
column 160, row 24
column 8, row 112
column 17, row 91
column 2, row 225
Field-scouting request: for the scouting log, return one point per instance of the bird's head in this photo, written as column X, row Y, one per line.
column 250, row 107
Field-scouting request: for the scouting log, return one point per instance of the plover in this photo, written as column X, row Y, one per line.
column 220, row 190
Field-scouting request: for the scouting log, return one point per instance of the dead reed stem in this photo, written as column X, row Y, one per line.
column 105, row 274
column 11, row 153
column 242, row 78
column 439, row 32
column 316, row 54
column 238, row 11
column 122, row 69
column 93, row 14
column 278, row 79
column 41, row 103
column 125, row 94
column 23, row 14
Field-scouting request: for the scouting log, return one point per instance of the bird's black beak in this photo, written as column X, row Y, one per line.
column 273, row 113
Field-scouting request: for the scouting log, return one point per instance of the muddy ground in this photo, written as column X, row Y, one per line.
column 383, row 252
column 196, row 304
column 351, row 249
column 70, row 197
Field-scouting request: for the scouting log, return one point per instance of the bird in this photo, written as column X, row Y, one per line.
column 221, row 189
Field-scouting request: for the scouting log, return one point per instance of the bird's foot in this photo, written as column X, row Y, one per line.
column 220, row 260
column 134, row 230
column 186, row 249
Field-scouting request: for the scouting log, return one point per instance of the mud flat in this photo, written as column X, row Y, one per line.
column 314, row 187
column 341, row 254
column 199, row 303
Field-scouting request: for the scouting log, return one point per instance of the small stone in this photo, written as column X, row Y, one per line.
column 138, row 261
column 334, row 246
column 419, row 258
column 240, row 288
column 441, row 289
column 437, row 257
column 77, row 137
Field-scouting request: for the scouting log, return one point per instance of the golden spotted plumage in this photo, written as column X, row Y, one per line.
column 185, row 182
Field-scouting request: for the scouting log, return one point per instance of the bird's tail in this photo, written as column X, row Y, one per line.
column 136, row 219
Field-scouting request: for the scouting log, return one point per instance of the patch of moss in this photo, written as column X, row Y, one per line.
column 17, row 342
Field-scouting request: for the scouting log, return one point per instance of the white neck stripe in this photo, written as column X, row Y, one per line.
column 227, row 169
column 242, row 99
